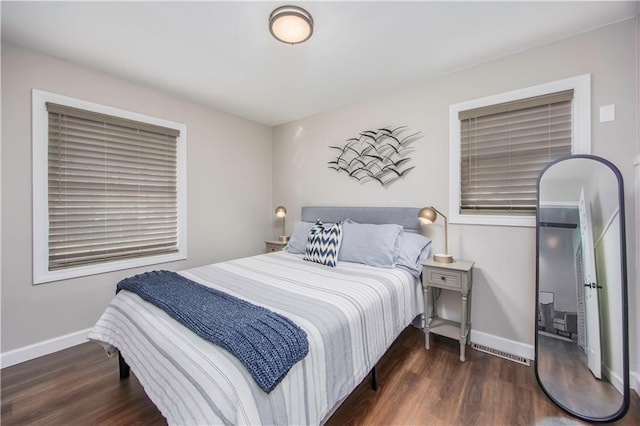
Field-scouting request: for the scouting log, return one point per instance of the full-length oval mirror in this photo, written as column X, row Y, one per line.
column 581, row 325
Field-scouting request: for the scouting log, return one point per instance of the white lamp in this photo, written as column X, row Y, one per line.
column 429, row 215
column 291, row 24
column 281, row 211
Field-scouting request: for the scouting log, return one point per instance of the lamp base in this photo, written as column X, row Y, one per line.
column 443, row 258
column 283, row 238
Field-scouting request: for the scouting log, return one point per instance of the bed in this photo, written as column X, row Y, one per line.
column 351, row 314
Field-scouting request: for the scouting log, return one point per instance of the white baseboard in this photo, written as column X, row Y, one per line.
column 505, row 345
column 36, row 350
column 613, row 378
column 634, row 381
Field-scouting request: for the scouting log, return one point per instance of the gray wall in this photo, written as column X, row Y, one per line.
column 608, row 275
column 226, row 156
column 503, row 292
column 557, row 267
column 634, row 294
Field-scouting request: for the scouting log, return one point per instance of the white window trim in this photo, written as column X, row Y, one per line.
column 40, row 124
column 581, row 143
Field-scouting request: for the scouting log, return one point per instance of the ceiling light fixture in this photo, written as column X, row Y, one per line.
column 291, row 24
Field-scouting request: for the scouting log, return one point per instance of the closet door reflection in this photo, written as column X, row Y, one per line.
column 581, row 335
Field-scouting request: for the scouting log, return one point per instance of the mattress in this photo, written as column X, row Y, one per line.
column 351, row 313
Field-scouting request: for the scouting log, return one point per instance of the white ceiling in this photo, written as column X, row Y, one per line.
column 221, row 54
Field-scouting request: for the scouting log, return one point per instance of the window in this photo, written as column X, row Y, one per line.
column 108, row 189
column 499, row 145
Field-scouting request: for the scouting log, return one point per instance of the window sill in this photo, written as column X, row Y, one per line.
column 492, row 220
column 46, row 276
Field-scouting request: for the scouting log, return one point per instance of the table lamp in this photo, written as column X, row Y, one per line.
column 282, row 212
column 429, row 215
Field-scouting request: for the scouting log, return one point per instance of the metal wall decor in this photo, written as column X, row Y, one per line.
column 379, row 155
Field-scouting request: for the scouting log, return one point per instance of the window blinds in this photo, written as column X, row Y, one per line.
column 505, row 146
column 112, row 185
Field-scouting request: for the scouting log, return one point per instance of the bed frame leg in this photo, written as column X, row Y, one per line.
column 374, row 381
column 124, row 367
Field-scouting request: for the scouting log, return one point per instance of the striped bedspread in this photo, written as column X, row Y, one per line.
column 351, row 314
column 268, row 344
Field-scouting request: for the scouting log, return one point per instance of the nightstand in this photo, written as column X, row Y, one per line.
column 271, row 246
column 456, row 276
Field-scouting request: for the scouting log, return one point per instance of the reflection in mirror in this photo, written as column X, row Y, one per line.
column 581, row 338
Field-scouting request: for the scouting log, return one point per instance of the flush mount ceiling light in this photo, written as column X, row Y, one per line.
column 291, row 24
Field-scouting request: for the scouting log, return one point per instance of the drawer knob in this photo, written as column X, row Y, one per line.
column 443, row 278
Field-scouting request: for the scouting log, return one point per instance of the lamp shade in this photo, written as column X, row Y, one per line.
column 291, row 24
column 427, row 215
column 281, row 211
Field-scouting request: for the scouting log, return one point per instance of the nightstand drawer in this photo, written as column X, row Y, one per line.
column 444, row 278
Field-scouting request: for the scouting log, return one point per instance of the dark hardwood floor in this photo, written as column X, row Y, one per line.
column 562, row 368
column 80, row 386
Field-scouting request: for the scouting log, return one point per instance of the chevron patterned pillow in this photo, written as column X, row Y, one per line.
column 323, row 243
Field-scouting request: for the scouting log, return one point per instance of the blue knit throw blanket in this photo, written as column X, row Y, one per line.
column 268, row 344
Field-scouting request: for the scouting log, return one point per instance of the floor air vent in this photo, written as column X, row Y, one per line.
column 501, row 354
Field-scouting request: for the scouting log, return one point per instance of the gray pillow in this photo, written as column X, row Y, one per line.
column 413, row 249
column 373, row 245
column 298, row 241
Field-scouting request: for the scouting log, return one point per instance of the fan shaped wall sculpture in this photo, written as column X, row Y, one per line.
column 379, row 155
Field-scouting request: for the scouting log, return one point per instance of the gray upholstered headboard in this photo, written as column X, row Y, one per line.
column 405, row 216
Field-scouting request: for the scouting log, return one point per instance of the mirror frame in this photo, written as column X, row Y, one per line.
column 623, row 273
